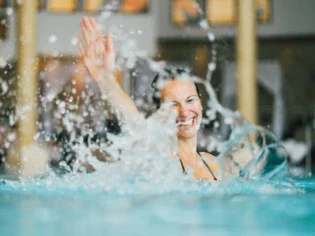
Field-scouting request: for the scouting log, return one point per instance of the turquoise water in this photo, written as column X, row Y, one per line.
column 237, row 208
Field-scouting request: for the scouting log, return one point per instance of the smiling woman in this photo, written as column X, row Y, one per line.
column 176, row 92
column 173, row 89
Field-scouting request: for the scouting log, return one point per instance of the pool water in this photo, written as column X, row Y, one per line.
column 239, row 209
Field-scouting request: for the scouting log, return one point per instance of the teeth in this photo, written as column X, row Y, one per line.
column 186, row 123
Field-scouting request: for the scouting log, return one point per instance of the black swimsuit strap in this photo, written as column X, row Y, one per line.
column 208, row 167
column 183, row 167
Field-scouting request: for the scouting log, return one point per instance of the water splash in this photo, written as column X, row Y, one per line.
column 137, row 161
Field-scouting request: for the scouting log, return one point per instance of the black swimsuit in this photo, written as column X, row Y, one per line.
column 204, row 162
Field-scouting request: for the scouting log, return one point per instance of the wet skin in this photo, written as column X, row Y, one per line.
column 181, row 97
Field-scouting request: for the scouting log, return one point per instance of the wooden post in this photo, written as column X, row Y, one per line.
column 246, row 60
column 29, row 157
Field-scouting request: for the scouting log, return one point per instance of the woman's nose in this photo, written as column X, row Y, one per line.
column 183, row 110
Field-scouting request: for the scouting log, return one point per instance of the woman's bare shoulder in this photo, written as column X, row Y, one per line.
column 207, row 155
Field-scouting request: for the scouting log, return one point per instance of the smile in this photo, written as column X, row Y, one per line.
column 186, row 123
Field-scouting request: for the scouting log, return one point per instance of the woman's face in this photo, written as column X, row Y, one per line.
column 180, row 96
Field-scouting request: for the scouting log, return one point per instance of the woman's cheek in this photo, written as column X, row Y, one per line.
column 197, row 108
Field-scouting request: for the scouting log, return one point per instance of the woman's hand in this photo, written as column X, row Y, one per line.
column 98, row 56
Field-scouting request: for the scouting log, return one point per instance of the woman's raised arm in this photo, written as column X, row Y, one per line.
column 99, row 58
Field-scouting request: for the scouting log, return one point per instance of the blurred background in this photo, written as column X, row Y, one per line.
column 167, row 30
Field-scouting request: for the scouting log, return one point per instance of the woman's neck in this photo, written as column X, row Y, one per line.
column 187, row 146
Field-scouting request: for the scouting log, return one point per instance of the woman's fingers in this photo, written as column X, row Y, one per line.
column 98, row 37
column 80, row 44
column 97, row 33
column 85, row 33
column 96, row 53
column 87, row 24
column 95, row 27
column 109, row 45
column 93, row 22
column 91, row 30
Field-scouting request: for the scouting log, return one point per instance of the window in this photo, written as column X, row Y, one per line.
column 217, row 12
column 185, row 12
column 134, row 6
column 93, row 5
column 61, row 5
column 225, row 11
column 221, row 11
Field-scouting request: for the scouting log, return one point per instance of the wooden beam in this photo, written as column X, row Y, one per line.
column 246, row 60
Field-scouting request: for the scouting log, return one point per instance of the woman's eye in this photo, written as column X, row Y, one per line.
column 190, row 100
column 173, row 104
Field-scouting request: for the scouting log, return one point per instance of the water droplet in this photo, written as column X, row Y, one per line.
column 36, row 136
column 211, row 37
column 3, row 62
column 212, row 66
column 9, row 11
column 74, row 41
column 53, row 38
column 204, row 24
column 11, row 137
column 4, row 87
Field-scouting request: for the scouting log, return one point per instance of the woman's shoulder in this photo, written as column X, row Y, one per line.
column 207, row 155
column 212, row 164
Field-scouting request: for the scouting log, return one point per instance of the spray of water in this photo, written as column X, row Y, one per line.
column 137, row 160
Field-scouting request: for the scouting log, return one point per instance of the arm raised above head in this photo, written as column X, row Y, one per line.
column 99, row 59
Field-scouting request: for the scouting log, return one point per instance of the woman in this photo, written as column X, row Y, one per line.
column 180, row 96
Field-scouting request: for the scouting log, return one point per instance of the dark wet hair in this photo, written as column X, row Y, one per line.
column 168, row 74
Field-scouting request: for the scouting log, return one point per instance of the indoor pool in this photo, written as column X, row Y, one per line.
column 238, row 208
